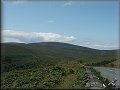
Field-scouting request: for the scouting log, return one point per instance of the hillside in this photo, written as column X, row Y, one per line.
column 61, row 76
column 23, row 56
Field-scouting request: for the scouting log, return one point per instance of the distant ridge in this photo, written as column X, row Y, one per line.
column 17, row 55
column 57, row 43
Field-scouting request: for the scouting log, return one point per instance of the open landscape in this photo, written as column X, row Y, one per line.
column 50, row 64
column 65, row 44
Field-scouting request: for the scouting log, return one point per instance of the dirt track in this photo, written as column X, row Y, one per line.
column 93, row 82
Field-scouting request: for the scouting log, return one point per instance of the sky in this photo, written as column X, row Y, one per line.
column 90, row 24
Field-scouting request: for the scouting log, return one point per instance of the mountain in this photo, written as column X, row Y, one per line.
column 22, row 56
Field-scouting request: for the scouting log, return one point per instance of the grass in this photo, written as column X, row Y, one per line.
column 114, row 64
column 68, row 81
column 69, row 75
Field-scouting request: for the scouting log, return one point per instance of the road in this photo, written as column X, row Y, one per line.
column 110, row 73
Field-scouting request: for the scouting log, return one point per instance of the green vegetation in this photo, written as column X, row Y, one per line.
column 82, row 79
column 51, row 76
column 25, row 56
column 114, row 64
column 49, row 65
column 101, row 63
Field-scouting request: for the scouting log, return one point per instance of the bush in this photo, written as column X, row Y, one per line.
column 71, row 71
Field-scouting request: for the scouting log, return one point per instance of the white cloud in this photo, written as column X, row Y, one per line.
column 97, row 45
column 29, row 37
column 12, row 40
column 51, row 21
column 68, row 3
column 105, row 46
column 18, row 1
column 87, row 43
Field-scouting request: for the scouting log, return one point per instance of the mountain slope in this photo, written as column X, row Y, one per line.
column 22, row 56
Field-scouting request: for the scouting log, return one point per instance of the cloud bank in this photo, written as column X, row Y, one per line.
column 107, row 46
column 30, row 37
column 19, row 1
column 68, row 3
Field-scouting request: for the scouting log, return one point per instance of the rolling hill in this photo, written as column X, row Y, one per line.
column 23, row 56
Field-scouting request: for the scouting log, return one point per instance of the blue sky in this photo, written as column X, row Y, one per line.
column 89, row 24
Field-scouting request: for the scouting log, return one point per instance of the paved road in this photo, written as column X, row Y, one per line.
column 110, row 73
column 94, row 82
